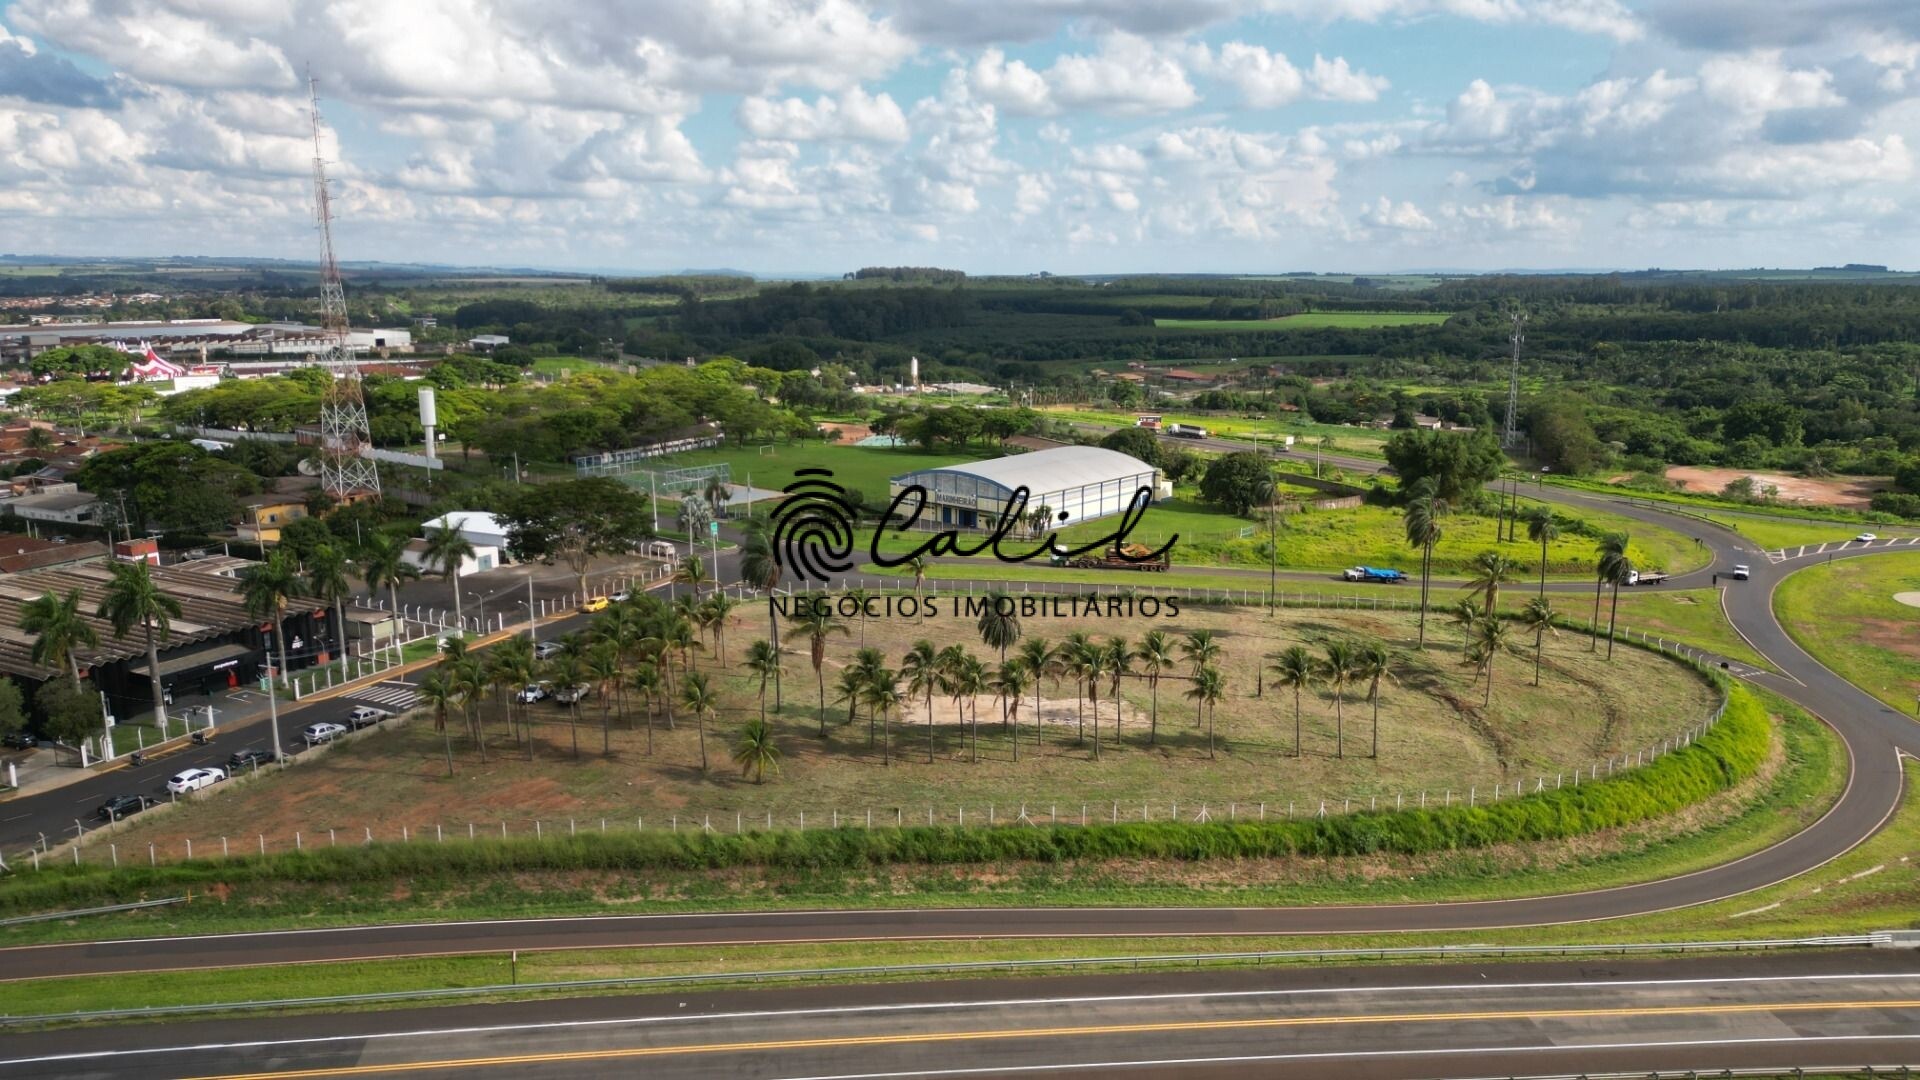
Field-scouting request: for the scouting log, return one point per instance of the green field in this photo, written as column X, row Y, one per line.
column 1341, row 438
column 1692, row 616
column 1844, row 614
column 863, row 468
column 1314, row 320
column 1773, row 534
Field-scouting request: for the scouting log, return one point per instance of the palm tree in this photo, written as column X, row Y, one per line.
column 860, row 597
column 447, row 548
column 1156, row 658
column 868, row 663
column 134, row 597
column 1093, row 668
column 1538, row 617
column 268, row 589
column 719, row 606
column 970, row 681
column 1338, row 662
column 1200, row 650
column 921, row 668
column 881, row 694
column 848, row 687
column 1464, row 615
column 59, row 631
column 1490, row 571
column 703, row 701
column 760, row 567
column 694, row 516
column 756, row 753
column 1119, row 665
column 469, row 680
column 692, row 572
column 646, row 679
column 1073, row 661
column 1041, row 659
column 327, row 581
column 1613, row 550
column 1010, row 682
column 1491, row 636
column 818, row 622
column 999, row 627
column 918, row 567
column 1206, row 691
column 762, row 661
column 1422, row 521
column 603, row 669
column 1542, row 530
column 1374, row 663
column 1622, row 574
column 442, row 693
column 383, row 565
column 1294, row 667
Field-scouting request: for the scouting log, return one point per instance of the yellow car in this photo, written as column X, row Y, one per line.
column 598, row 603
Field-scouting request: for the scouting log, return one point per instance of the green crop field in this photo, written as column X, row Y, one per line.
column 1845, row 614
column 1314, row 320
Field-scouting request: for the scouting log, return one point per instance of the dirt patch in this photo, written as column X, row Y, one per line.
column 849, row 433
column 1851, row 492
column 1894, row 635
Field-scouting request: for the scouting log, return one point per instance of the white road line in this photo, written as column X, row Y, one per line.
column 935, row 1006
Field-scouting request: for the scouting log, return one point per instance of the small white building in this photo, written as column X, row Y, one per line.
column 70, row 507
column 483, row 559
column 481, row 530
column 486, row 342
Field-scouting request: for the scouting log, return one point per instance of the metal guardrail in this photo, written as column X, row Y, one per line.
column 1878, row 938
column 52, row 915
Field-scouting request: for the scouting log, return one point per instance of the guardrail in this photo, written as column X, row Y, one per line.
column 108, row 910
column 1878, row 938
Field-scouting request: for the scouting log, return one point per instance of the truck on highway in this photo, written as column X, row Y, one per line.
column 1148, row 421
column 1373, row 573
column 1126, row 557
column 1645, row 577
column 1186, row 431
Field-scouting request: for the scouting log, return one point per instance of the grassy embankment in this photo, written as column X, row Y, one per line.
column 1844, row 614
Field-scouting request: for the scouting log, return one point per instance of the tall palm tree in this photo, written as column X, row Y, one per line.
column 760, row 568
column 762, row 661
column 881, row 694
column 569, row 670
column 1041, row 660
column 1622, row 574
column 1374, row 663
column 1119, row 665
column 134, row 597
column 1156, row 658
column 918, row 566
column 1491, row 637
column 756, row 753
column 603, row 669
column 469, row 679
column 1092, row 663
column 1073, row 661
column 847, row 687
column 442, row 693
column 1010, row 682
column 819, row 622
column 327, row 582
column 268, row 588
column 1294, row 668
column 1338, row 662
column 868, row 663
column 646, row 679
column 383, row 565
column 1606, row 564
column 692, row 572
column 921, row 669
column 1421, row 519
column 1490, row 571
column 1542, row 529
column 999, row 628
column 703, row 701
column 970, row 680
column 1464, row 614
column 447, row 548
column 718, row 606
column 1206, row 691
column 59, row 631
column 1538, row 617
column 1200, row 649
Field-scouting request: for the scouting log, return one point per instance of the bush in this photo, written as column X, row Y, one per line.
column 1732, row 751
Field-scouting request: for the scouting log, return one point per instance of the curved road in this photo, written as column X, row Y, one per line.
column 1874, row 734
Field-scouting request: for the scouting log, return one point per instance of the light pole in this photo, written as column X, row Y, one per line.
column 273, row 706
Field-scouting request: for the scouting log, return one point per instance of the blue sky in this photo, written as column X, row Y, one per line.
column 992, row 136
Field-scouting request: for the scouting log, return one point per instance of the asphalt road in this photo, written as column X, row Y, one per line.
column 1780, row 1011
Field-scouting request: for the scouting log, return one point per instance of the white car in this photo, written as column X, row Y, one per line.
column 569, row 695
column 366, row 716
column 194, row 780
column 1866, row 538
column 1741, row 572
column 620, row 597
column 315, row 734
column 547, row 650
column 531, row 693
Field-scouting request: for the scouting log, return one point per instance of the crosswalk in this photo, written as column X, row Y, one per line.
column 393, row 693
column 1780, row 555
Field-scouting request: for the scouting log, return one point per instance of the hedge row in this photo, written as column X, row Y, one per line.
column 1731, row 751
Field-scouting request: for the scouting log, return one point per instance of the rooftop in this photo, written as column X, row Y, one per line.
column 1049, row 470
column 466, row 521
column 210, row 607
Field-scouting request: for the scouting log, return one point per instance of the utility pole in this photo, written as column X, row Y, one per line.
column 1512, row 433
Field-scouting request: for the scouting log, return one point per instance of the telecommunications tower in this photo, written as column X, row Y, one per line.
column 346, row 473
column 1511, row 436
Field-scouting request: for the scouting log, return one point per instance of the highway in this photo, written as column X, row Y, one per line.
column 1810, row 1010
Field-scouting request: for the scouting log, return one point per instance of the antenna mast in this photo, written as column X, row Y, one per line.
column 1511, row 437
column 346, row 473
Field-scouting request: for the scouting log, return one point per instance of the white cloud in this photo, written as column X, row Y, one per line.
column 1129, row 75
column 1009, row 84
column 1264, row 79
column 854, row 115
column 1760, row 83
column 1333, row 80
column 1404, row 216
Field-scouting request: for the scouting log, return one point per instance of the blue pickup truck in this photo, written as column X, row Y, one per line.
column 1372, row 573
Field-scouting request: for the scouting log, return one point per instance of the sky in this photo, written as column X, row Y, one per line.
column 992, row 136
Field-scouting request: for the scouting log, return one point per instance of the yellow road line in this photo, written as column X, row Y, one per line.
column 1060, row 1032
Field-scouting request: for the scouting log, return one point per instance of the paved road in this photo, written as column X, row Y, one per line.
column 1809, row 1010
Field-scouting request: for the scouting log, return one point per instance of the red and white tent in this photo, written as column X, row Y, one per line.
column 150, row 366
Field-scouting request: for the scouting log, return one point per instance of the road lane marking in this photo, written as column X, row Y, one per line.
column 1001, row 1034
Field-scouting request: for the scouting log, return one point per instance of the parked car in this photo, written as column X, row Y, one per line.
column 620, row 597
column 366, row 716
column 19, row 740
column 547, row 650
column 1866, row 538
column 531, row 693
column 315, row 734
column 251, row 757
column 119, row 806
column 1741, row 572
column 195, row 779
column 568, row 695
column 593, row 604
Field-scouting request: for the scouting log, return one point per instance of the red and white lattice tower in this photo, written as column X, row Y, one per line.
column 346, row 472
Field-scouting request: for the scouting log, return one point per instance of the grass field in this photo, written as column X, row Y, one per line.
column 1314, row 320
column 1433, row 735
column 1844, row 614
column 1773, row 534
column 1693, row 616
column 1341, row 439
column 866, row 468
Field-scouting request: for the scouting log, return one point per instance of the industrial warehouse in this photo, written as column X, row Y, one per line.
column 1073, row 483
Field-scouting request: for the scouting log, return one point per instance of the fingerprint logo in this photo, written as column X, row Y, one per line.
column 813, row 528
